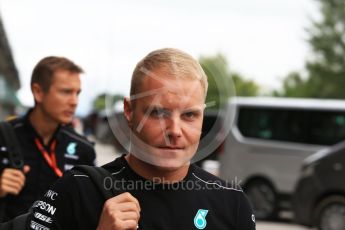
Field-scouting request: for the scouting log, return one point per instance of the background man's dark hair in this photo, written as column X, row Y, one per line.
column 45, row 69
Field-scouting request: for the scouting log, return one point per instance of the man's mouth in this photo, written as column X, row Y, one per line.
column 172, row 147
column 69, row 113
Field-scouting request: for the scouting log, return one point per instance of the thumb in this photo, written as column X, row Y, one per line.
column 26, row 169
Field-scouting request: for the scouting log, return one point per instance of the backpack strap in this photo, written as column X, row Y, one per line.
column 14, row 154
column 13, row 148
column 18, row 223
column 101, row 177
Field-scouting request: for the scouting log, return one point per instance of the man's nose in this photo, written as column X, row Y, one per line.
column 74, row 99
column 173, row 127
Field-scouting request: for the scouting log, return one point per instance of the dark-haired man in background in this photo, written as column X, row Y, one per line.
column 48, row 143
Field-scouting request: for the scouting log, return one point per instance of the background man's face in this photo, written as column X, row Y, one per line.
column 168, row 121
column 61, row 100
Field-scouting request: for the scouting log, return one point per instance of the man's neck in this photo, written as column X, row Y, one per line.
column 156, row 173
column 44, row 126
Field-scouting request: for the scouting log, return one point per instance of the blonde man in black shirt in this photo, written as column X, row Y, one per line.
column 157, row 186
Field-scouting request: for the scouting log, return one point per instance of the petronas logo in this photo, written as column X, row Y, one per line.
column 200, row 219
column 71, row 148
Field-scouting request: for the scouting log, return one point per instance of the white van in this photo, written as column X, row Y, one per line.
column 268, row 141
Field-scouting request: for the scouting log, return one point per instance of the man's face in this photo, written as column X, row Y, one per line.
column 60, row 102
column 166, row 116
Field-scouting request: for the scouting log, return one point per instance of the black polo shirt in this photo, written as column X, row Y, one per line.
column 71, row 149
column 200, row 201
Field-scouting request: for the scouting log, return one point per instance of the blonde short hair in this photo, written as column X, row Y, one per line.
column 176, row 62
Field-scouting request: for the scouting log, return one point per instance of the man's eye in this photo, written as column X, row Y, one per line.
column 66, row 91
column 159, row 113
column 189, row 115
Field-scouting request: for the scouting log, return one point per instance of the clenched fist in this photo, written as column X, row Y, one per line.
column 121, row 212
column 12, row 181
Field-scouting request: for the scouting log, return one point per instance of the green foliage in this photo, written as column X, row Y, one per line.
column 293, row 86
column 245, row 88
column 99, row 103
column 221, row 82
column 327, row 38
column 218, row 77
column 326, row 69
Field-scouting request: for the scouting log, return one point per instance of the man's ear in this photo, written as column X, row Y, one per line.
column 128, row 110
column 37, row 92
